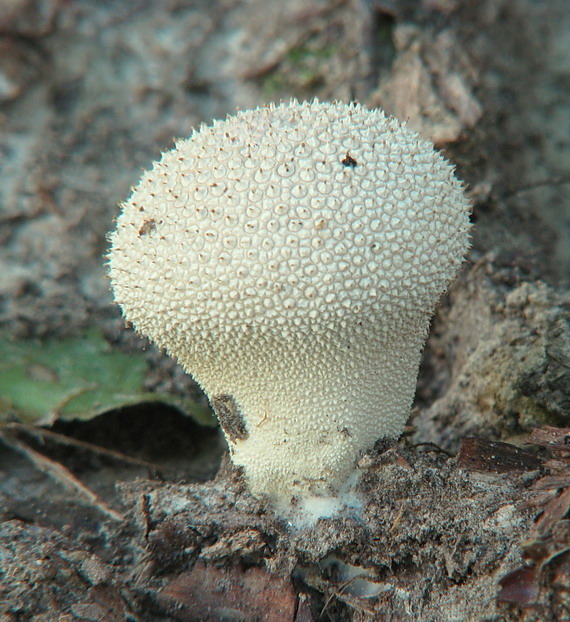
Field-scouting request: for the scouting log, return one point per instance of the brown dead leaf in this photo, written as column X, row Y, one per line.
column 208, row 594
column 555, row 440
column 519, row 587
column 544, row 582
column 477, row 454
column 554, row 512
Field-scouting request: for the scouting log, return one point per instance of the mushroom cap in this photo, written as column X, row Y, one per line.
column 288, row 217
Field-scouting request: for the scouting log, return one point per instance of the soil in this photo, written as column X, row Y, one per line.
column 136, row 514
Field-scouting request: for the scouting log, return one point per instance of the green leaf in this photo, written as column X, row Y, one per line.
column 75, row 378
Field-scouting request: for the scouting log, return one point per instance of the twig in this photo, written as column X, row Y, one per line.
column 41, row 433
column 60, row 474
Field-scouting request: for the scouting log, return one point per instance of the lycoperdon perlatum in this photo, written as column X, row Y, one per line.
column 290, row 257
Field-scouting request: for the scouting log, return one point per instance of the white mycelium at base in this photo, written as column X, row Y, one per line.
column 290, row 257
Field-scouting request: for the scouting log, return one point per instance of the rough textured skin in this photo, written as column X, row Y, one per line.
column 290, row 257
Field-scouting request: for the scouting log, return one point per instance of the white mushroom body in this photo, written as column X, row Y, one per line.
column 290, row 257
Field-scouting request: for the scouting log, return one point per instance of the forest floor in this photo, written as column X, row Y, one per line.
column 113, row 505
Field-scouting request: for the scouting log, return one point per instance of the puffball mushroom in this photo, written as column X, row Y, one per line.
column 290, row 257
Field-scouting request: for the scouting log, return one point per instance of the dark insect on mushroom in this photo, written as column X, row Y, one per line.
column 349, row 161
column 147, row 227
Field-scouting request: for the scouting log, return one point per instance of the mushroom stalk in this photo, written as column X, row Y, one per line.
column 298, row 418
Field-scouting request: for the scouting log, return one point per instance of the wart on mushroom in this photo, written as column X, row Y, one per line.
column 290, row 257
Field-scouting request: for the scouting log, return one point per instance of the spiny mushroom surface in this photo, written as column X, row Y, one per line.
column 290, row 257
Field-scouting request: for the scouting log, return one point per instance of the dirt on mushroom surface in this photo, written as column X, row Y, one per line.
column 91, row 93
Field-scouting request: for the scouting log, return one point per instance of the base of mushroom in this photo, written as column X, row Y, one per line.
column 304, row 512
